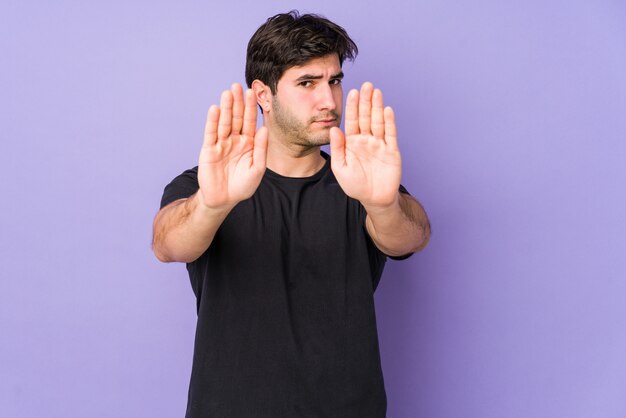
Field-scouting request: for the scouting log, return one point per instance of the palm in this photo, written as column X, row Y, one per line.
column 366, row 161
column 232, row 160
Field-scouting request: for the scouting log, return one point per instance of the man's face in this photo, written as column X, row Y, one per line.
column 308, row 101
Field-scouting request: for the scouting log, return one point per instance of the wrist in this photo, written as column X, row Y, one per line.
column 200, row 207
column 383, row 208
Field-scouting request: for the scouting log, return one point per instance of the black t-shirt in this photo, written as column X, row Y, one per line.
column 286, row 323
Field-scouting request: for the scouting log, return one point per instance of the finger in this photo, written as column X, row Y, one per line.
column 378, row 121
column 249, row 115
column 390, row 129
column 337, row 148
column 226, row 115
column 352, row 113
column 365, row 108
column 237, row 92
column 210, row 128
column 259, row 154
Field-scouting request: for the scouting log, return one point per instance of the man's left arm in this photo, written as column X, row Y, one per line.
column 366, row 162
column 400, row 229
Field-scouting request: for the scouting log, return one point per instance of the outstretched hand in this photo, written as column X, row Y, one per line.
column 233, row 156
column 366, row 160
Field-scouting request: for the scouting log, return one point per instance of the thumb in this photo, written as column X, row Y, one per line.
column 337, row 147
column 259, row 154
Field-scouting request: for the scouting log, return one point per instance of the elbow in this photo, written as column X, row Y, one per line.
column 418, row 242
column 421, row 245
column 161, row 255
column 423, row 237
column 165, row 255
column 161, row 250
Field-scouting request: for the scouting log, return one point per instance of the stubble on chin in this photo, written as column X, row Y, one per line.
column 301, row 133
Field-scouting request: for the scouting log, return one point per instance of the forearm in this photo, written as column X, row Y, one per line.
column 184, row 229
column 400, row 228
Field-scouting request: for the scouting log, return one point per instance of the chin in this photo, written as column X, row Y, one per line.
column 320, row 138
column 314, row 139
column 319, row 141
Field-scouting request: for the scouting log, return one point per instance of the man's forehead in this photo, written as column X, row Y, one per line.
column 326, row 65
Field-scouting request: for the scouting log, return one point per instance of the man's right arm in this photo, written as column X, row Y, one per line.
column 184, row 229
column 230, row 168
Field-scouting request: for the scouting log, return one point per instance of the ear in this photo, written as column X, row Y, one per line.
column 263, row 95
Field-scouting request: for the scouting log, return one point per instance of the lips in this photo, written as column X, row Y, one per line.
column 330, row 121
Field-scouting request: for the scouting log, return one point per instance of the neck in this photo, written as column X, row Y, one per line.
column 293, row 161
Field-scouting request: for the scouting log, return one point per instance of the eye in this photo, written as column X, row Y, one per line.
column 335, row 82
column 306, row 83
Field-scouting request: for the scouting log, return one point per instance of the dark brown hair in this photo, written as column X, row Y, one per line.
column 290, row 39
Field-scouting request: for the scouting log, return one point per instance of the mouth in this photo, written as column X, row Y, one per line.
column 326, row 122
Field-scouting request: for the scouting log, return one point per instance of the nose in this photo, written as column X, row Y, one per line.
column 326, row 98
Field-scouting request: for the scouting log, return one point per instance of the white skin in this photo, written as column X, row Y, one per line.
column 303, row 114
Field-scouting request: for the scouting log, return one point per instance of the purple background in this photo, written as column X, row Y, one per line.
column 512, row 122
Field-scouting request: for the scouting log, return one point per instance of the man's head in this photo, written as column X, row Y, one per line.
column 289, row 39
column 294, row 66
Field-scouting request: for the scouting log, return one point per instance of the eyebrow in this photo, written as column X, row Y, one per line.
column 303, row 77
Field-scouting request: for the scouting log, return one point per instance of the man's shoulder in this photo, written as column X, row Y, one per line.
column 190, row 172
column 182, row 186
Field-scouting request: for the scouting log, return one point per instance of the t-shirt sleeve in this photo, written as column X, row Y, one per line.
column 183, row 186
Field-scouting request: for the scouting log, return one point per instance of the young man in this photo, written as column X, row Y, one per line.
column 285, row 245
